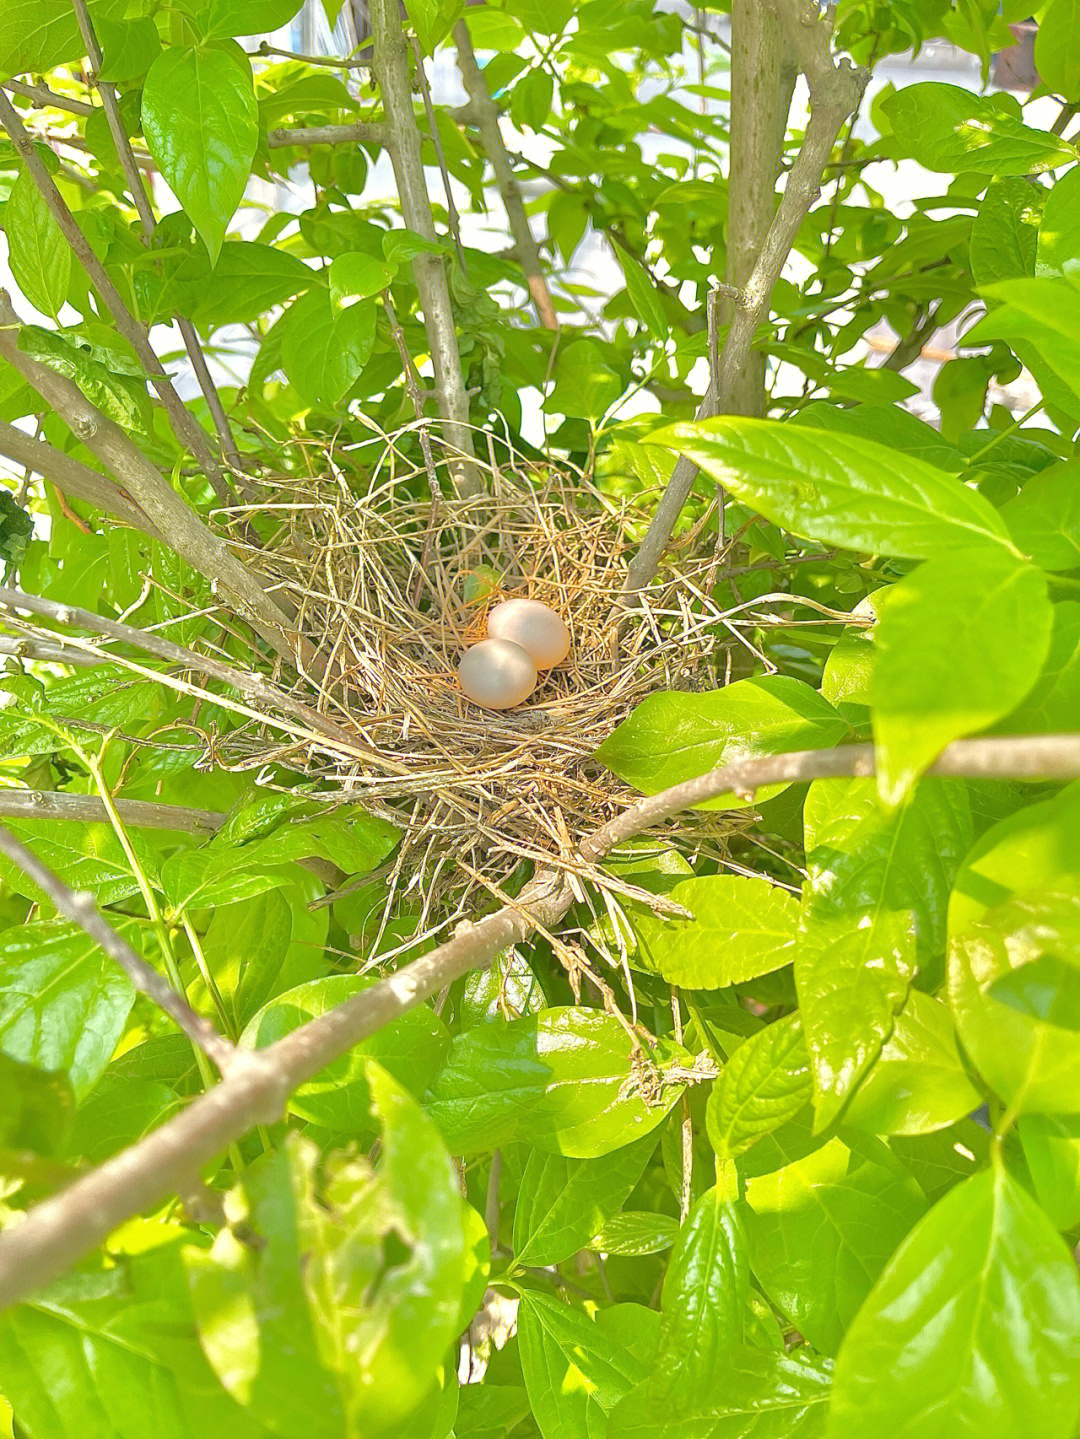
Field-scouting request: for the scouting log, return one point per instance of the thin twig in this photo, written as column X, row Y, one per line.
column 357, row 132
column 167, row 511
column 59, row 1231
column 188, row 432
column 453, row 219
column 138, row 193
column 78, row 907
column 412, row 384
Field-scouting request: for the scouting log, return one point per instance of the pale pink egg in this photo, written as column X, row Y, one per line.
column 497, row 674
column 535, row 627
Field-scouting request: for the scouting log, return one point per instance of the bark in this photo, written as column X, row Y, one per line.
column 762, row 80
column 390, row 66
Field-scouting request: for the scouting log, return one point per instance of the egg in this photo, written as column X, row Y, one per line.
column 497, row 674
column 535, row 627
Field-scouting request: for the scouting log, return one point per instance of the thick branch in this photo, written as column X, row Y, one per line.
column 359, row 132
column 43, row 98
column 166, row 511
column 835, row 89
column 487, row 122
column 762, row 79
column 187, row 430
column 390, row 66
column 141, row 814
column 59, row 1231
column 78, row 907
column 77, row 481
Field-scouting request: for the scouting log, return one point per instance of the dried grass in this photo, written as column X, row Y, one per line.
column 394, row 588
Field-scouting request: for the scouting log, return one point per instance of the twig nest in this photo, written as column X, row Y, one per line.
column 497, row 674
column 535, row 627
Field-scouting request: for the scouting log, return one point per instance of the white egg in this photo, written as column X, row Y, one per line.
column 497, row 674
column 535, row 627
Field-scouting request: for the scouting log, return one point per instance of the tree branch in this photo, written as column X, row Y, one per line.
column 171, row 516
column 762, row 80
column 146, row 214
column 390, row 67
column 835, row 90
column 43, row 98
column 249, row 683
column 359, row 132
column 188, row 432
column 60, row 1230
column 55, row 804
column 78, row 907
column 75, row 480
column 486, row 114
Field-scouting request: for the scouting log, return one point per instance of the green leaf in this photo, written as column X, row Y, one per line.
column 247, row 17
column 125, row 1342
column 433, row 20
column 1033, row 849
column 246, row 281
column 563, row 1203
column 245, row 947
column 121, row 1109
column 324, row 349
column 85, row 856
column 1054, row 703
column 960, row 642
column 200, row 878
column 1058, row 252
column 1057, row 48
column 839, row 488
column 63, row 1002
column 755, row 1395
column 574, row 1372
column 36, row 35
column 338, row 1098
column 16, row 528
column 932, row 1355
column 565, row 1080
column 1041, row 313
column 671, row 737
column 821, row 1230
column 100, row 373
column 703, row 1305
column 335, row 1323
column 1029, row 1062
column 39, row 256
column 947, row 128
column 1051, row 1144
column 36, row 1108
column 356, row 276
column 643, row 295
column 765, row 1083
column 1046, row 983
column 635, row 1233
column 743, row 927
column 1005, row 232
column 129, row 48
column 918, row 1083
column 874, row 905
column 1044, row 518
column 201, row 122
column 585, row 384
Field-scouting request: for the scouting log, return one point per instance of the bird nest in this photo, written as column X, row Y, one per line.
column 392, row 589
